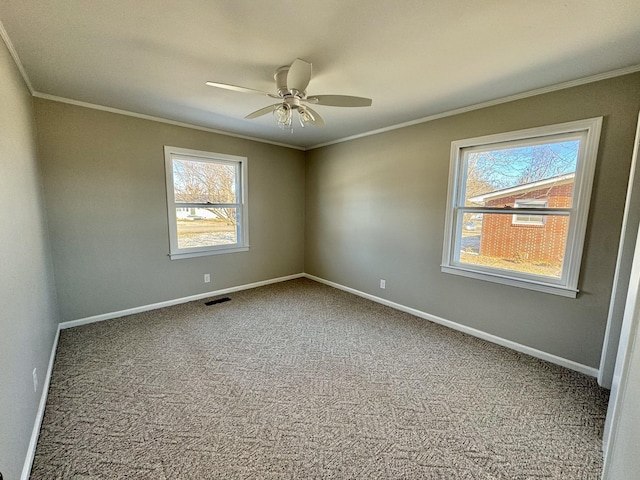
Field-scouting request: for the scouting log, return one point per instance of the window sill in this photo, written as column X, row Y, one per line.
column 206, row 253
column 513, row 282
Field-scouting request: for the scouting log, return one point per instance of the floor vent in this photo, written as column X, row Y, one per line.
column 218, row 300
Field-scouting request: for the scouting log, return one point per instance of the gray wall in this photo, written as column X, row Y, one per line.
column 28, row 315
column 106, row 200
column 375, row 208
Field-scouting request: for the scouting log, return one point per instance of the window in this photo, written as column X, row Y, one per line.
column 546, row 174
column 206, row 200
column 520, row 219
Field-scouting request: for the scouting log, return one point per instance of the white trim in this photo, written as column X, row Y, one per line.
column 505, row 279
column 218, row 250
column 14, row 54
column 490, row 103
column 31, row 450
column 549, row 357
column 627, row 348
column 611, row 341
column 143, row 116
column 176, row 301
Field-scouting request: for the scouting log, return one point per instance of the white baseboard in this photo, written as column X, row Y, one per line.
column 549, row 357
column 31, row 451
column 168, row 303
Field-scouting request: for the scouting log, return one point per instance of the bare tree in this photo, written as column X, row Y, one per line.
column 477, row 182
column 206, row 183
column 499, row 169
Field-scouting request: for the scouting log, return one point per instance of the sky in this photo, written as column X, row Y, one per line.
column 508, row 167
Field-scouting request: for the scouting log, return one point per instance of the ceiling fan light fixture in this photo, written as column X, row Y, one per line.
column 305, row 116
column 283, row 115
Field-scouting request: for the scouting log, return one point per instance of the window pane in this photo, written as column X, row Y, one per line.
column 496, row 241
column 204, row 182
column 206, row 227
column 502, row 177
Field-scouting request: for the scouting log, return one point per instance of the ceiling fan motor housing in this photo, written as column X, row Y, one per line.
column 281, row 80
column 281, row 84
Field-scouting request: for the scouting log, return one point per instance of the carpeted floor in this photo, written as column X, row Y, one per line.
column 298, row 380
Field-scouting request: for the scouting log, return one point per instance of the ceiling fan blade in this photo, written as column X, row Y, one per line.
column 318, row 121
column 235, row 88
column 339, row 101
column 299, row 75
column 262, row 111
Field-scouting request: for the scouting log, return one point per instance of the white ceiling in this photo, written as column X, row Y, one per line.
column 414, row 58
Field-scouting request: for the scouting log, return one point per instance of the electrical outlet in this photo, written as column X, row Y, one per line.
column 383, row 284
column 35, row 379
column 207, row 277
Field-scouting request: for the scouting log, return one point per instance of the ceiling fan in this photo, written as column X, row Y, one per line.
column 291, row 87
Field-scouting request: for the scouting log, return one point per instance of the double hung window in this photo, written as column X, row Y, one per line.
column 207, row 205
column 518, row 204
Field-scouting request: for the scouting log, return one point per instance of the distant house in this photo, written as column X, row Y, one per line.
column 523, row 237
column 194, row 214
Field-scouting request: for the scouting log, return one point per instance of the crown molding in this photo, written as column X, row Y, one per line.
column 16, row 58
column 490, row 103
column 143, row 116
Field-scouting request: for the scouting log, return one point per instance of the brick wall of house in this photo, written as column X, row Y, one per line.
column 527, row 243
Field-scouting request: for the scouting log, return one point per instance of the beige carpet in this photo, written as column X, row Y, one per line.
column 301, row 381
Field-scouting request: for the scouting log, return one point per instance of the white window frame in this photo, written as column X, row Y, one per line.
column 242, row 245
column 588, row 131
column 533, row 203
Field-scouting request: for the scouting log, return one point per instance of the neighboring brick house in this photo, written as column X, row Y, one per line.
column 527, row 238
